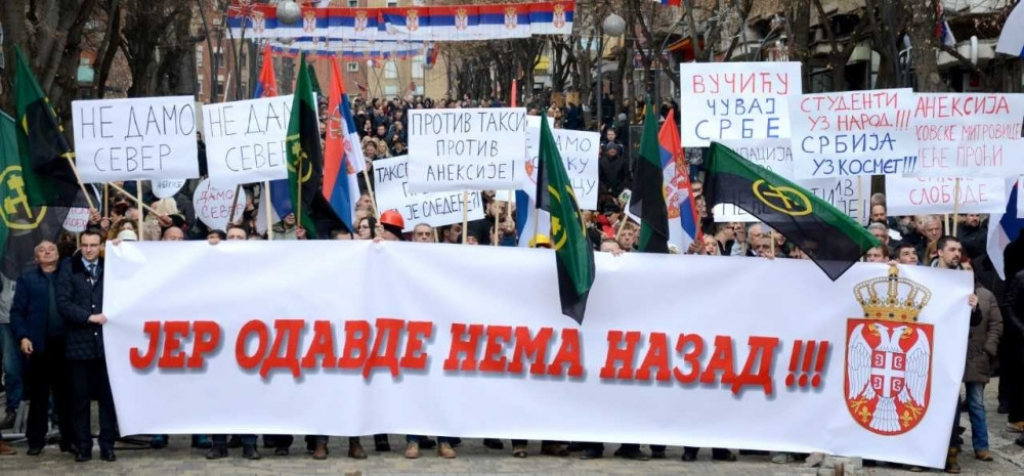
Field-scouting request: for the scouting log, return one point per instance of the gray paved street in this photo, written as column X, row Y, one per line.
column 179, row 459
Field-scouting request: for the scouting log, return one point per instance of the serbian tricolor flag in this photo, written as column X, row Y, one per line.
column 343, row 158
column 683, row 221
column 266, row 84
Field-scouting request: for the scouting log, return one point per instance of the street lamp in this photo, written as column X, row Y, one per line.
column 613, row 25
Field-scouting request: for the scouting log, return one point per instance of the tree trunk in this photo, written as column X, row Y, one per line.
column 921, row 30
column 800, row 42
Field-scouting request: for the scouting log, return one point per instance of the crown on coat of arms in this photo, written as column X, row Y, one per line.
column 896, row 306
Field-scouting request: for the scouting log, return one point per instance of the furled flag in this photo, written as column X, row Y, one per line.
column 574, row 255
column 343, row 157
column 1004, row 229
column 280, row 194
column 1011, row 39
column 305, row 161
column 833, row 240
column 648, row 198
column 684, row 223
column 46, row 169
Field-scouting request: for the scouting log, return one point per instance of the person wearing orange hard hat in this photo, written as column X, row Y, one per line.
column 393, row 224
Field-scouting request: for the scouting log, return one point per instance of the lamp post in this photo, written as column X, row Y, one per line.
column 613, row 25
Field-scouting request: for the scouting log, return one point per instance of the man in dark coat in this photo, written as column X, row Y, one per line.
column 39, row 331
column 80, row 300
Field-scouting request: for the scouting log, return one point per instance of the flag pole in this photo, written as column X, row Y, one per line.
column 138, row 199
column 106, row 201
column 465, row 215
column 369, row 191
column 234, row 204
column 956, row 205
column 267, row 211
column 512, row 191
column 497, row 216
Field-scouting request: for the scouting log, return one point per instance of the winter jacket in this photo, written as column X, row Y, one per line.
column 983, row 337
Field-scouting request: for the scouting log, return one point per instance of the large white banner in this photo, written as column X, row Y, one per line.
column 969, row 135
column 135, row 139
column 391, row 189
column 915, row 196
column 397, row 332
column 245, row 140
column 736, row 100
column 475, row 149
column 854, row 133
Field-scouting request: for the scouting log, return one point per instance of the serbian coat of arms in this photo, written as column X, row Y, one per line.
column 888, row 356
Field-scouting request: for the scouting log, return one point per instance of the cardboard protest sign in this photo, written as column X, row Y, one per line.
column 915, row 196
column 475, row 149
column 580, row 151
column 854, row 133
column 391, row 188
column 135, row 139
column 166, row 188
column 736, row 100
column 969, row 135
column 77, row 220
column 213, row 204
column 772, row 154
column 776, row 155
column 245, row 140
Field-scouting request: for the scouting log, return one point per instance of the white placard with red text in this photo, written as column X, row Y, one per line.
column 969, row 134
column 213, row 203
column 915, row 196
column 736, row 100
column 854, row 133
column 735, row 391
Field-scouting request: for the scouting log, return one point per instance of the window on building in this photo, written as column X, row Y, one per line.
column 218, row 58
column 419, row 90
column 199, row 86
column 390, row 90
column 391, row 70
column 199, row 57
column 353, row 67
column 353, row 3
column 220, row 84
column 417, row 66
column 392, row 3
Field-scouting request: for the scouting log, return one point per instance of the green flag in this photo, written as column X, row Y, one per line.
column 9, row 165
column 306, row 156
column 46, row 168
column 648, row 198
column 574, row 254
column 826, row 235
column 314, row 82
column 22, row 226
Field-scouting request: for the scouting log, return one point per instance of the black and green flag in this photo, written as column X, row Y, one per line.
column 22, row 226
column 826, row 235
column 574, row 255
column 305, row 161
column 45, row 155
column 648, row 198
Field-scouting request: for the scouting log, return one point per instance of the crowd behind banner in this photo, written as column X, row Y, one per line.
column 52, row 339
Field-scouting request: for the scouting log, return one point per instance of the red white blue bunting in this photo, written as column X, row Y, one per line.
column 413, row 23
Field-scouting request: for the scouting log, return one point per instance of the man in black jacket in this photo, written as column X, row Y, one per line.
column 39, row 331
column 80, row 299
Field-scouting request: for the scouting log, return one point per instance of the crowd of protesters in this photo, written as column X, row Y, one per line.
column 52, row 345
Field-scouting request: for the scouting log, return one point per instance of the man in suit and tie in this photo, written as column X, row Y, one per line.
column 80, row 300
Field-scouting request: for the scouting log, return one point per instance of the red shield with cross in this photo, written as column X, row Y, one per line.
column 888, row 374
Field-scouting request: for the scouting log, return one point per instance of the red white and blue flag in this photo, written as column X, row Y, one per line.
column 683, row 220
column 343, row 158
column 1004, row 228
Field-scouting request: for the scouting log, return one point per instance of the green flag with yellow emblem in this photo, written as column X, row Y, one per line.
column 574, row 254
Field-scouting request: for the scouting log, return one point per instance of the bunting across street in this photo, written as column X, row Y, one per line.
column 422, row 23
